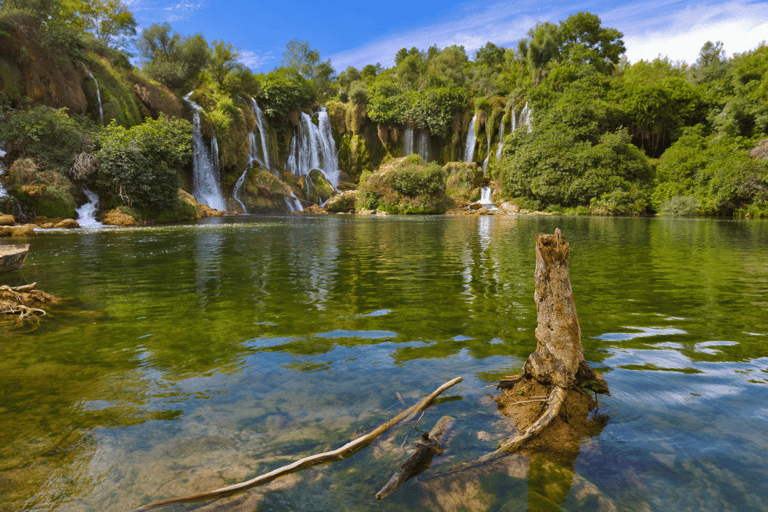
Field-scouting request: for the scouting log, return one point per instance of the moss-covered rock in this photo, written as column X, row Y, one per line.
column 263, row 192
column 405, row 186
column 48, row 193
column 341, row 203
column 463, row 178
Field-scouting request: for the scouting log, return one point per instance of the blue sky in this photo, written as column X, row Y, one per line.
column 356, row 33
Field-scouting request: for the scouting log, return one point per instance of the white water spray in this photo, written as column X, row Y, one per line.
column 86, row 214
column 422, row 142
column 98, row 96
column 469, row 151
column 312, row 147
column 206, row 188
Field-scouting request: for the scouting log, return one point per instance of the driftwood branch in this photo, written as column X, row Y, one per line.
column 427, row 447
column 307, row 462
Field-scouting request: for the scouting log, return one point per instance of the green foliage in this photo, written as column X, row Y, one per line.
column 223, row 61
column 432, row 109
column 110, row 21
column 680, row 206
column 45, row 133
column 48, row 193
column 141, row 165
column 172, row 59
column 284, row 90
column 358, row 92
column 305, row 61
column 405, row 186
column 716, row 170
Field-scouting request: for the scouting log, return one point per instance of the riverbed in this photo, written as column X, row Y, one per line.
column 194, row 356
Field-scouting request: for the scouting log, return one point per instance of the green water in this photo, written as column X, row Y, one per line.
column 190, row 357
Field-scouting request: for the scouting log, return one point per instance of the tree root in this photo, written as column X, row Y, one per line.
column 19, row 300
column 339, row 454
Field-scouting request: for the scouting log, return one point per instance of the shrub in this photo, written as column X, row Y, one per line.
column 47, row 134
column 682, row 206
column 141, row 165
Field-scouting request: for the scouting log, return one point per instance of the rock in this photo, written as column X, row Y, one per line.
column 24, row 230
column 67, row 224
column 7, row 220
column 344, row 202
column 475, row 206
column 315, row 210
column 118, row 218
column 202, row 210
column 509, row 207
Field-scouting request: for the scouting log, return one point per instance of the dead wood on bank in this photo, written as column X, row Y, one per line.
column 24, row 301
column 339, row 454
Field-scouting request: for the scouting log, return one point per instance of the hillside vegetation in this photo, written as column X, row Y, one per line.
column 604, row 136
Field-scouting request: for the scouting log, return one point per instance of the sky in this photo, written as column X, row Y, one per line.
column 356, row 33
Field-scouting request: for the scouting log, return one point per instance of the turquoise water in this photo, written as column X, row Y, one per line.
column 190, row 357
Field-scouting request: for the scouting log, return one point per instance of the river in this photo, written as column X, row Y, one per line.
column 194, row 356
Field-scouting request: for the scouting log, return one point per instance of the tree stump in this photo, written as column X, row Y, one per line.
column 550, row 395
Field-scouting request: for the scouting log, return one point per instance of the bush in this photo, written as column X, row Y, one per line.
column 405, row 185
column 358, row 92
column 141, row 165
column 682, row 206
column 47, row 134
column 413, row 180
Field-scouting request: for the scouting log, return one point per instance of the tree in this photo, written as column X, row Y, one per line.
column 171, row 59
column 224, row 60
column 583, row 39
column 306, row 61
column 109, row 21
column 490, row 55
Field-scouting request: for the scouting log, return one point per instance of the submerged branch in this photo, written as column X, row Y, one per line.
column 307, row 462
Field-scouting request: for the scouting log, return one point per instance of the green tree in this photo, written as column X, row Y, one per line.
column 110, row 22
column 141, row 165
column 584, row 39
column 170, row 58
column 224, row 59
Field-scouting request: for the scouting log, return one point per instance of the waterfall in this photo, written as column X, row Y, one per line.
column 3, row 192
column 501, row 139
column 423, row 144
column 469, row 151
column 238, row 185
column 485, row 196
column 525, row 117
column 98, row 96
column 293, row 203
column 86, row 214
column 206, row 188
column 261, row 124
column 408, row 141
column 312, row 147
column 488, row 156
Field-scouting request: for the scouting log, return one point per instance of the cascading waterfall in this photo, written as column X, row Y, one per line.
column 312, row 147
column 525, row 117
column 485, row 196
column 501, row 138
column 488, row 156
column 422, row 141
column 469, row 151
column 3, row 192
column 86, row 214
column 408, row 141
column 98, row 96
column 293, row 204
column 261, row 124
column 206, row 173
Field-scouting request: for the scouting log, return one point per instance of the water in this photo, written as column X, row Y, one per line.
column 86, row 213
column 422, row 143
column 501, row 138
column 206, row 187
column 525, row 118
column 469, row 150
column 312, row 147
column 98, row 96
column 408, row 141
column 261, row 125
column 190, row 357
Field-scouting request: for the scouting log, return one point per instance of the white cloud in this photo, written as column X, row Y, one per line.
column 254, row 60
column 674, row 28
column 741, row 26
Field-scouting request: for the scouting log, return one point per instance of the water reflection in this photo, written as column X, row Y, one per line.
column 194, row 356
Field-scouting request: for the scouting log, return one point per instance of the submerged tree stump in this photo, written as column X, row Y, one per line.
column 24, row 301
column 549, row 398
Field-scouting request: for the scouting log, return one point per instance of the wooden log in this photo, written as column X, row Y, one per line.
column 426, row 448
column 339, row 454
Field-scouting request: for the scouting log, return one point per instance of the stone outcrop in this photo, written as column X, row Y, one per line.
column 118, row 218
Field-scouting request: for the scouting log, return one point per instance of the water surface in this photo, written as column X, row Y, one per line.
column 190, row 357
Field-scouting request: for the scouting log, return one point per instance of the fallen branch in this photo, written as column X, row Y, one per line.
column 307, row 462
column 427, row 447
